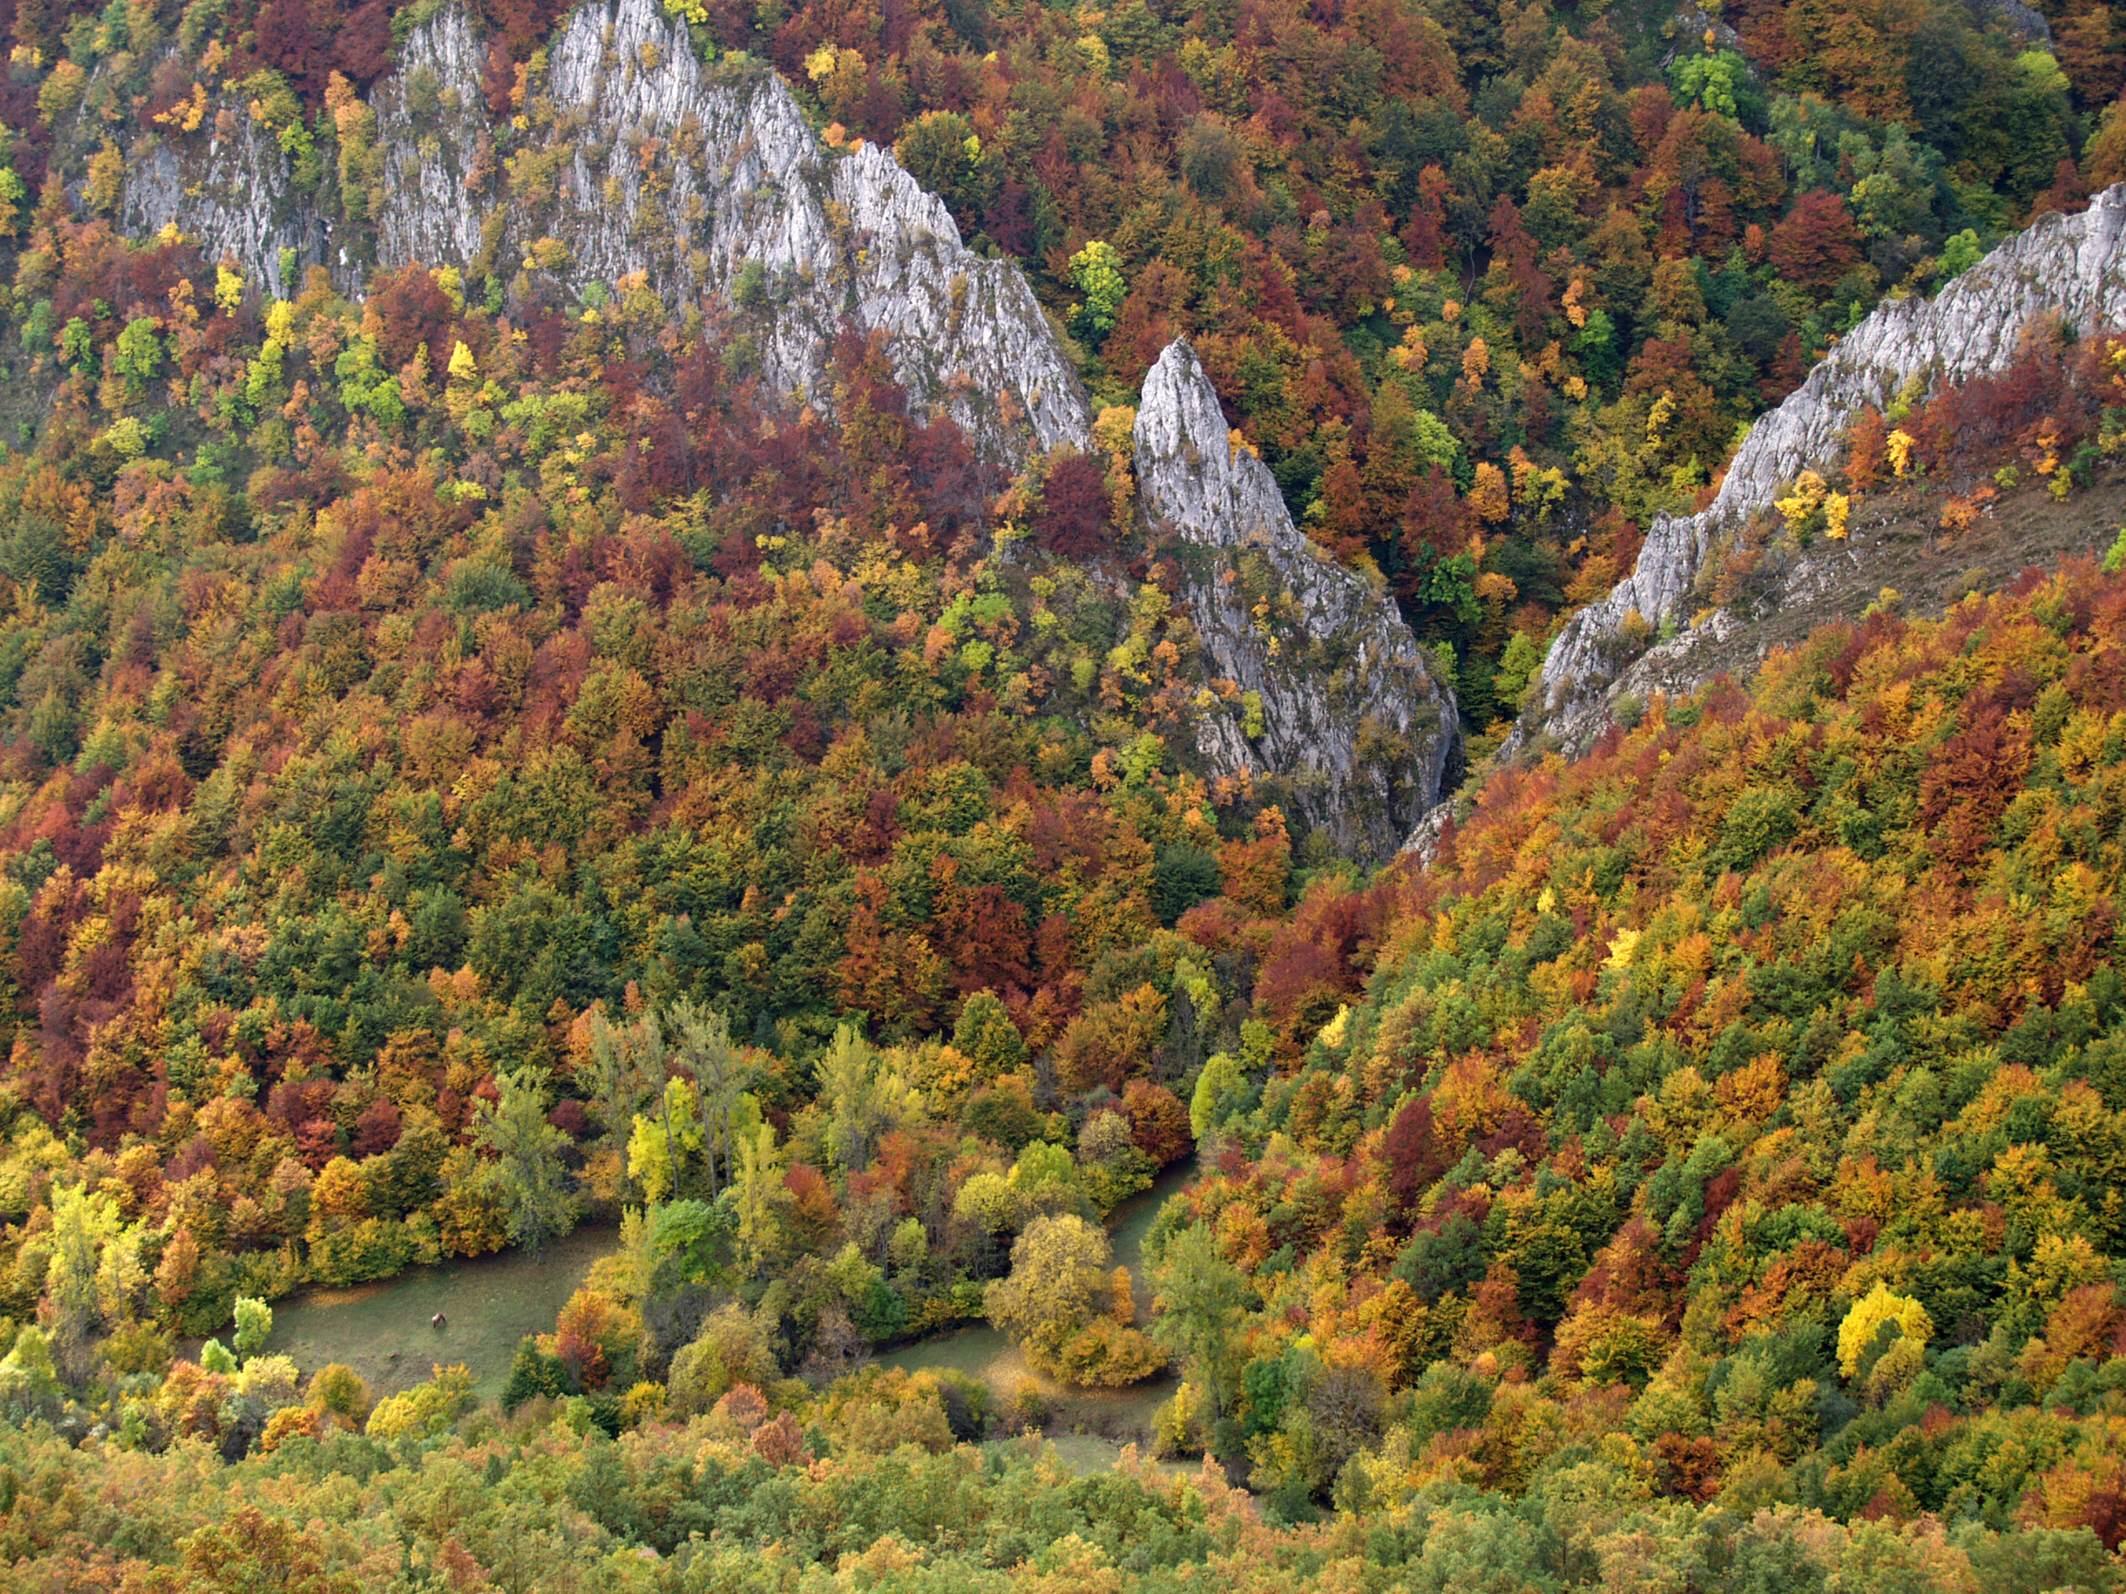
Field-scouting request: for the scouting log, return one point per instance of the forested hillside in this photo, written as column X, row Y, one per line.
column 1487, row 286
column 1750, row 1083
column 575, row 651
column 355, row 796
column 1728, row 1147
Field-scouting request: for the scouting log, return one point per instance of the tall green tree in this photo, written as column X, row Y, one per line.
column 1059, row 1280
column 93, row 1273
column 627, row 1072
column 666, row 1141
column 701, row 1044
column 760, row 1196
column 1199, row 1304
column 862, row 1100
column 538, row 1201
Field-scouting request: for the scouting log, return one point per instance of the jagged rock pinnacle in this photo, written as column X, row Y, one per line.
column 1329, row 697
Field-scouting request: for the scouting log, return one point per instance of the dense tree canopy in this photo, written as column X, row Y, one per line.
column 1751, row 1082
column 472, row 760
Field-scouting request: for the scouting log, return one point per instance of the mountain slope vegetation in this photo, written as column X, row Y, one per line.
column 480, row 756
column 1488, row 287
column 1721, row 1175
column 1752, row 1082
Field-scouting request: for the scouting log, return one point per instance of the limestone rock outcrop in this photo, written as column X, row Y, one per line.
column 231, row 192
column 1332, row 704
column 2073, row 267
column 705, row 178
column 708, row 181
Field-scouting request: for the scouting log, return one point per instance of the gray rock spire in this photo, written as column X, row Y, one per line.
column 1328, row 699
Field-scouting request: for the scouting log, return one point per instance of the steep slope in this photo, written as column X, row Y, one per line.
column 1897, row 543
column 1321, row 687
column 707, row 180
column 2073, row 267
column 1684, row 1060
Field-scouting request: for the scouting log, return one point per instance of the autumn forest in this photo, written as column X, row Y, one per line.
column 491, row 768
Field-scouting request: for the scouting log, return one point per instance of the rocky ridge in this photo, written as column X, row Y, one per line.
column 706, row 179
column 2070, row 266
column 1326, row 692
column 709, row 182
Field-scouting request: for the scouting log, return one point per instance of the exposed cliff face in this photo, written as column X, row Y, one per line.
column 641, row 159
column 2070, row 266
column 229, row 190
column 1331, row 703
column 1896, row 542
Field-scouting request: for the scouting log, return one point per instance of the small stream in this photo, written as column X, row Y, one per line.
column 383, row 1330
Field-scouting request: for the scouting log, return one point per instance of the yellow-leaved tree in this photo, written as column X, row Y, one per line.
column 1879, row 1306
